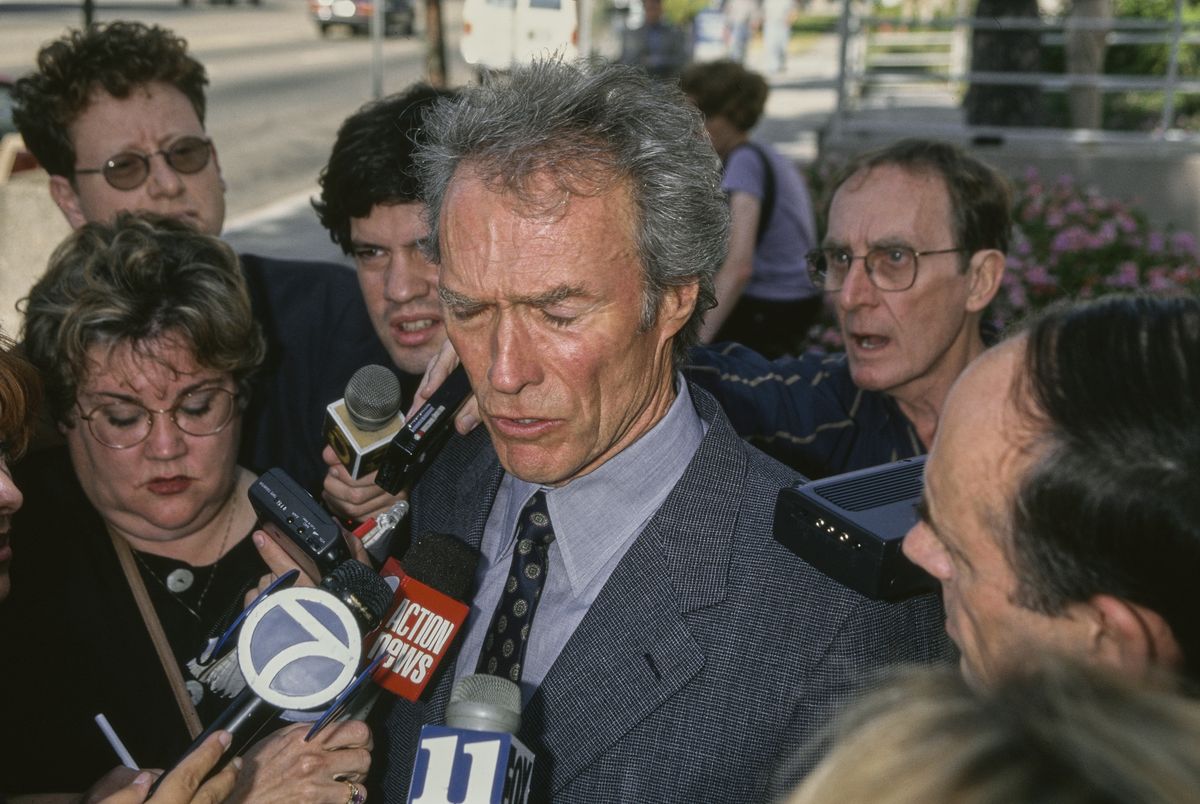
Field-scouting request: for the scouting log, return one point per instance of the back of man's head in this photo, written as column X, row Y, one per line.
column 117, row 57
column 726, row 89
column 589, row 126
column 1057, row 731
column 372, row 160
column 1110, row 506
column 980, row 198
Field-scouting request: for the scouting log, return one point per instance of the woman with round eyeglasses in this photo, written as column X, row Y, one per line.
column 143, row 334
column 20, row 397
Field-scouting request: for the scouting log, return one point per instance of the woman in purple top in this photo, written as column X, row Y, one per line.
column 764, row 297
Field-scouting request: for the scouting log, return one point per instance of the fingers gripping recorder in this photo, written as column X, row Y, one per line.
column 298, row 522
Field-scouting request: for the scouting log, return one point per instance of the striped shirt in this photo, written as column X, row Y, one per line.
column 804, row 411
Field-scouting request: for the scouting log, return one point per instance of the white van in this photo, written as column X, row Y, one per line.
column 500, row 33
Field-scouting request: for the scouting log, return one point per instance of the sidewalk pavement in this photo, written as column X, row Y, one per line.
column 801, row 101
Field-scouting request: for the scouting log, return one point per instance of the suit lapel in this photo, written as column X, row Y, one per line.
column 621, row 663
column 475, row 492
column 634, row 649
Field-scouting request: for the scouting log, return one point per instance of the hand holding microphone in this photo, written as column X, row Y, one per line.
column 439, row 368
column 299, row 648
column 359, row 426
column 358, row 429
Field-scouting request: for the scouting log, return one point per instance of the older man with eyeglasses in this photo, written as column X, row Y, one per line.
column 913, row 255
column 115, row 113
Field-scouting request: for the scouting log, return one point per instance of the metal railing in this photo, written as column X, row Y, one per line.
column 891, row 63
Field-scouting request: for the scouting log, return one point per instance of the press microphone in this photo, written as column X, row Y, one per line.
column 423, row 434
column 361, row 424
column 298, row 649
column 431, row 605
column 433, row 584
column 475, row 758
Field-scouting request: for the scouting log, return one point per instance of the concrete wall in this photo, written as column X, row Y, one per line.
column 30, row 227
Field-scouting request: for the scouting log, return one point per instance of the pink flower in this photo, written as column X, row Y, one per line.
column 1184, row 243
column 1125, row 277
column 1073, row 238
column 1017, row 298
column 1038, row 275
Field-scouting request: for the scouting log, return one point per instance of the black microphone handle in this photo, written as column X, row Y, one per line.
column 245, row 718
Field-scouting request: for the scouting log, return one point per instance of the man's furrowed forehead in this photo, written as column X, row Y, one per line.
column 900, row 198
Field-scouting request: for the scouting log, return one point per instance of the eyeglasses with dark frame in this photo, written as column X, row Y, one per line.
column 128, row 170
column 125, row 424
column 890, row 268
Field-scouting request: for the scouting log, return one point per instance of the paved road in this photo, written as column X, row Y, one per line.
column 799, row 105
column 278, row 92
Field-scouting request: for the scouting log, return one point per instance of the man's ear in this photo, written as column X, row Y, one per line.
column 1131, row 638
column 985, row 271
column 676, row 305
column 67, row 199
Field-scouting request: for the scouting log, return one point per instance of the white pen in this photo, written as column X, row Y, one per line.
column 115, row 742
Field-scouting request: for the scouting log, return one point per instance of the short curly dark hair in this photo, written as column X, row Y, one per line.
column 372, row 160
column 117, row 57
column 726, row 89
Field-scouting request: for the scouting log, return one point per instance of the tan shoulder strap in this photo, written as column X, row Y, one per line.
column 157, row 635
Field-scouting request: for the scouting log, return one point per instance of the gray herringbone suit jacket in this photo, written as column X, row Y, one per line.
column 709, row 658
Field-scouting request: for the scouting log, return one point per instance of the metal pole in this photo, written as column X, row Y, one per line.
column 585, row 27
column 1168, row 112
column 844, row 36
column 377, row 30
column 89, row 12
column 435, row 44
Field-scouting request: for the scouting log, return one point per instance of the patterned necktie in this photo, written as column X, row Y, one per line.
column 503, row 651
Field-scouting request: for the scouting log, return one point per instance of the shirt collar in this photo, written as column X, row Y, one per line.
column 598, row 515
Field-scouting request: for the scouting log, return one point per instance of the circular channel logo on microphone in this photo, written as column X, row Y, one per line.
column 299, row 648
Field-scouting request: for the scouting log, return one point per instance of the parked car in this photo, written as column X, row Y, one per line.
column 398, row 15
column 500, row 33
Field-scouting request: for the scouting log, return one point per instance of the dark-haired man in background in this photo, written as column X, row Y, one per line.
column 370, row 203
column 115, row 114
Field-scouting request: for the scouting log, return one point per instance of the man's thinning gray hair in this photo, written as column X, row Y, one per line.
column 589, row 124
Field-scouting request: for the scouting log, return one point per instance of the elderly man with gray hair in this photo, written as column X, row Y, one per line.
column 666, row 647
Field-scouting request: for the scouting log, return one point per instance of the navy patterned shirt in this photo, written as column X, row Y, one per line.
column 804, row 411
